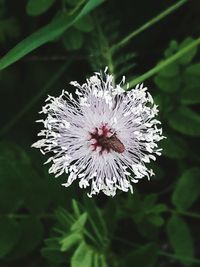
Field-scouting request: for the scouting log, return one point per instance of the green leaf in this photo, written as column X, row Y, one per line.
column 79, row 224
column 173, row 47
column 37, row 7
column 76, row 208
column 72, row 40
column 174, row 147
column 190, row 95
column 95, row 217
column 193, row 69
column 170, row 70
column 52, row 251
column 103, row 262
column 185, row 121
column 46, row 34
column 159, row 208
column 99, row 260
column 168, row 84
column 14, row 164
column 180, row 239
column 31, row 236
column 9, row 235
column 82, row 257
column 187, row 58
column 155, row 219
column 187, row 190
column 192, row 75
column 85, row 24
column 70, row 240
column 146, row 255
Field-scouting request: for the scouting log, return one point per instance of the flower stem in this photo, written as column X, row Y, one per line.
column 149, row 24
column 165, row 63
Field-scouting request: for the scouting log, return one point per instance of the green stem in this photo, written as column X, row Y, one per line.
column 169, row 255
column 165, row 63
column 185, row 213
column 149, row 24
column 34, row 100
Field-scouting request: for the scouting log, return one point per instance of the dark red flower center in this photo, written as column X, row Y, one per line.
column 103, row 140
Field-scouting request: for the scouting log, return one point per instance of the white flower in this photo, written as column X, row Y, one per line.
column 103, row 137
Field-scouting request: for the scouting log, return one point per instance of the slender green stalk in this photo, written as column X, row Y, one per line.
column 149, row 24
column 165, row 63
column 176, row 257
column 186, row 213
column 34, row 100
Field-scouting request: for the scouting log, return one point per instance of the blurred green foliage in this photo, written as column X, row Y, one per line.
column 44, row 224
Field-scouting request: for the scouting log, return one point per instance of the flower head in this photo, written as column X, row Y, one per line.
column 103, row 137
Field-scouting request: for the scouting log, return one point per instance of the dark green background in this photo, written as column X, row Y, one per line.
column 45, row 224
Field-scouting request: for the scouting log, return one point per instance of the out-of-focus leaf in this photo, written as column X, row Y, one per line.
column 14, row 164
column 156, row 219
column 187, row 189
column 168, row 84
column 102, row 260
column 72, row 40
column 174, row 147
column 190, row 95
column 82, row 257
column 185, row 121
column 173, row 46
column 180, row 239
column 52, row 251
column 192, row 76
column 95, row 216
column 37, row 7
column 146, row 255
column 170, row 70
column 9, row 28
column 31, row 236
column 9, row 235
column 159, row 208
column 193, row 69
column 79, row 223
column 46, row 34
column 70, row 240
column 187, row 58
column 64, row 218
column 85, row 24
